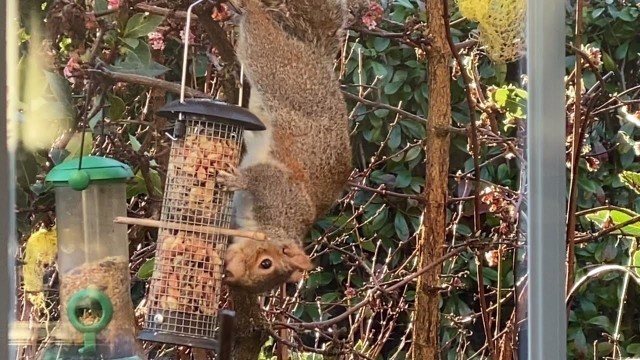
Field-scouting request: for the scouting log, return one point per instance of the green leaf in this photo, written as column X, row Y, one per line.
column 381, row 113
column 116, row 107
column 152, row 70
column 368, row 245
column 597, row 12
column 201, row 64
column 379, row 69
column 131, row 42
column 633, row 349
column 621, row 51
column 599, row 320
column 58, row 155
column 405, row 3
column 378, row 222
column 146, row 269
column 580, row 341
column 318, row 279
column 138, row 185
column 61, row 90
column 381, row 44
column 412, row 153
column 636, row 262
column 608, row 62
column 99, row 116
column 135, row 144
column 614, row 217
column 393, row 87
column 73, row 146
column 627, row 15
column 402, row 229
column 631, row 179
column 138, row 61
column 587, row 184
column 395, row 137
column 400, row 75
column 403, row 179
column 503, row 172
column 335, row 258
column 141, row 24
column 143, row 52
column 101, row 6
column 490, row 274
column 500, row 96
column 329, row 297
column 413, row 128
column 463, row 229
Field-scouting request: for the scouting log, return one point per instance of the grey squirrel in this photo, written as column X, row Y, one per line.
column 293, row 172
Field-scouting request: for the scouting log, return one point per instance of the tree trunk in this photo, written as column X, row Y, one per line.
column 432, row 237
column 250, row 326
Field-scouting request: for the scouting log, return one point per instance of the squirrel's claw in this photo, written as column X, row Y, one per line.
column 231, row 181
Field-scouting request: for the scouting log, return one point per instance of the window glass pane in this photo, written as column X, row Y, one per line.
column 401, row 191
column 602, row 111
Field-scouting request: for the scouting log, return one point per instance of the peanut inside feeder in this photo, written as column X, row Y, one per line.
column 93, row 258
column 184, row 291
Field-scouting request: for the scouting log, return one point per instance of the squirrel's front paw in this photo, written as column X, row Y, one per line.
column 231, row 181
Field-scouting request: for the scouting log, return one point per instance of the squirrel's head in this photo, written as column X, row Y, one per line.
column 260, row 266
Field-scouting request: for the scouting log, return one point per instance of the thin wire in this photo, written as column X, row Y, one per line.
column 84, row 125
column 185, row 54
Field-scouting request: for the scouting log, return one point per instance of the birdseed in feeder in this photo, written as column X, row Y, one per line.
column 111, row 276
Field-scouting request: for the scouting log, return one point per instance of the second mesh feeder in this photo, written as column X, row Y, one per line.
column 184, row 291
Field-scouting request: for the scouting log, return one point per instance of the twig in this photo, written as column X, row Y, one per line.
column 183, row 227
column 215, row 32
column 486, row 321
column 575, row 155
column 475, row 150
column 473, row 134
column 608, row 230
column 403, row 113
column 384, row 192
column 149, row 82
column 398, row 285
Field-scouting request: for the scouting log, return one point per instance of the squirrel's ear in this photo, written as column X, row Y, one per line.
column 298, row 261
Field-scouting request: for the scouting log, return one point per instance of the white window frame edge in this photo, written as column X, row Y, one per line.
column 7, row 213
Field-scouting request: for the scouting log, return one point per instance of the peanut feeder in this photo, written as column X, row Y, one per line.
column 184, row 291
column 96, row 311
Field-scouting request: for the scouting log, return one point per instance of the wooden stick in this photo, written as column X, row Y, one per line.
column 184, row 227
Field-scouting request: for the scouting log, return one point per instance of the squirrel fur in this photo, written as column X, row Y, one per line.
column 295, row 170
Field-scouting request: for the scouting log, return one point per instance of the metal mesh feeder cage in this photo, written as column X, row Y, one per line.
column 97, row 318
column 184, row 291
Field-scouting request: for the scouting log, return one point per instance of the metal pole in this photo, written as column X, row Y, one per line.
column 546, row 178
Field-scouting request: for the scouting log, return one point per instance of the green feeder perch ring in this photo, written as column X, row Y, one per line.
column 78, row 301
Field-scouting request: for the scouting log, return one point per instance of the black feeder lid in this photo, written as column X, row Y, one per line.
column 213, row 110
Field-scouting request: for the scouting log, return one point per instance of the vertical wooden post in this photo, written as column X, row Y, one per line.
column 432, row 236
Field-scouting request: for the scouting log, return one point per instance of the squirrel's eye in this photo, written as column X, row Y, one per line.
column 266, row 264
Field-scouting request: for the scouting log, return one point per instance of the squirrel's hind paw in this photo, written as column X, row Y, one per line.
column 231, row 181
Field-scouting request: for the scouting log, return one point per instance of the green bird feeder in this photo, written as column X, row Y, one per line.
column 97, row 318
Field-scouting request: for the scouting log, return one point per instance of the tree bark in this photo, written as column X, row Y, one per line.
column 250, row 326
column 432, row 236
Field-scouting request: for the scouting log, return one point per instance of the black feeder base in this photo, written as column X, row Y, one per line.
column 163, row 335
column 178, row 339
